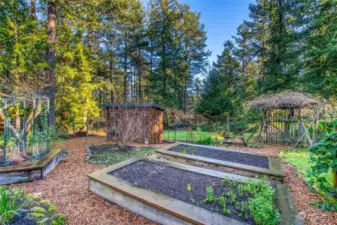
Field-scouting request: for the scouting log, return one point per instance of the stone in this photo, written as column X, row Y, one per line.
column 52, row 209
column 37, row 216
column 38, row 209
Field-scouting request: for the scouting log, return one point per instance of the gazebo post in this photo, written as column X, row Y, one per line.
column 299, row 122
column 265, row 125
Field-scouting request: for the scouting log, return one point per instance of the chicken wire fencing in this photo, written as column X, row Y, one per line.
column 24, row 129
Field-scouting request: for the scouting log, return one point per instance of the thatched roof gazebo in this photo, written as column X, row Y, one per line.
column 289, row 128
column 284, row 100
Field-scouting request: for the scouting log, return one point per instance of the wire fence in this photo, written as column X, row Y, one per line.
column 24, row 129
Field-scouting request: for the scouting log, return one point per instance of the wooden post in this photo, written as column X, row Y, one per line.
column 228, row 124
column 17, row 116
column 265, row 125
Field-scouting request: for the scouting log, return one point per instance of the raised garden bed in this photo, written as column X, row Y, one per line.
column 107, row 154
column 35, row 171
column 172, row 193
column 224, row 160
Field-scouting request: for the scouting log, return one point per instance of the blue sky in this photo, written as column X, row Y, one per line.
column 221, row 18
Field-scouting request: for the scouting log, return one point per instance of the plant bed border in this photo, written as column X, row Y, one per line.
column 36, row 171
column 170, row 211
column 275, row 171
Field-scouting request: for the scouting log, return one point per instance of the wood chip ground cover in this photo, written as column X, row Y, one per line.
column 222, row 196
column 67, row 187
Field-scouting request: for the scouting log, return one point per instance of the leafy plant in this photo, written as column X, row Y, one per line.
column 261, row 206
column 206, row 141
column 244, row 206
column 226, row 211
column 189, row 187
column 209, row 195
column 221, row 200
column 326, row 206
column 232, row 197
column 324, row 158
column 9, row 204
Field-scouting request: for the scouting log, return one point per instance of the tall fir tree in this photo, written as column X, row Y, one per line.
column 222, row 95
column 321, row 50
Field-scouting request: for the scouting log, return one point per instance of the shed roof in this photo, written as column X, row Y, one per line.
column 134, row 105
column 284, row 100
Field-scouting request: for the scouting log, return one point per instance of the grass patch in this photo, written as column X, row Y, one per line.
column 111, row 154
column 300, row 159
column 197, row 136
column 185, row 135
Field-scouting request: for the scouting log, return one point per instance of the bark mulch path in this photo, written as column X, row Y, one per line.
column 67, row 187
column 300, row 191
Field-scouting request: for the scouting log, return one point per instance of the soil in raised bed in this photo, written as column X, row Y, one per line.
column 174, row 183
column 235, row 157
column 110, row 154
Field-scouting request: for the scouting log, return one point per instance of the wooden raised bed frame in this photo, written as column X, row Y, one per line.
column 170, row 211
column 275, row 172
column 36, row 171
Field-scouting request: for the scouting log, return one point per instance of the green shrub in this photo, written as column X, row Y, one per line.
column 261, row 206
column 206, row 141
column 323, row 161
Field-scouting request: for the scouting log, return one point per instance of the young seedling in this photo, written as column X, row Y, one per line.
column 226, row 211
column 232, row 196
column 189, row 188
column 209, row 195
column 222, row 201
column 244, row 206
column 237, row 205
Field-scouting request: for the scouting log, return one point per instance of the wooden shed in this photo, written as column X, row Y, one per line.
column 144, row 123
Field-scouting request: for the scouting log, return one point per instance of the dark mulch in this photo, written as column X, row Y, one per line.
column 21, row 219
column 110, row 154
column 108, row 148
column 236, row 157
column 173, row 182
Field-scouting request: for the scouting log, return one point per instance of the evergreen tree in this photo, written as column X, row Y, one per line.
column 195, row 53
column 321, row 46
column 222, row 95
column 21, row 45
column 164, row 21
column 258, row 35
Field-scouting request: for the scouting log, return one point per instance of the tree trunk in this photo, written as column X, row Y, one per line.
column 140, row 64
column 111, row 90
column 126, row 68
column 51, row 58
column 186, row 77
column 164, row 71
column 33, row 7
